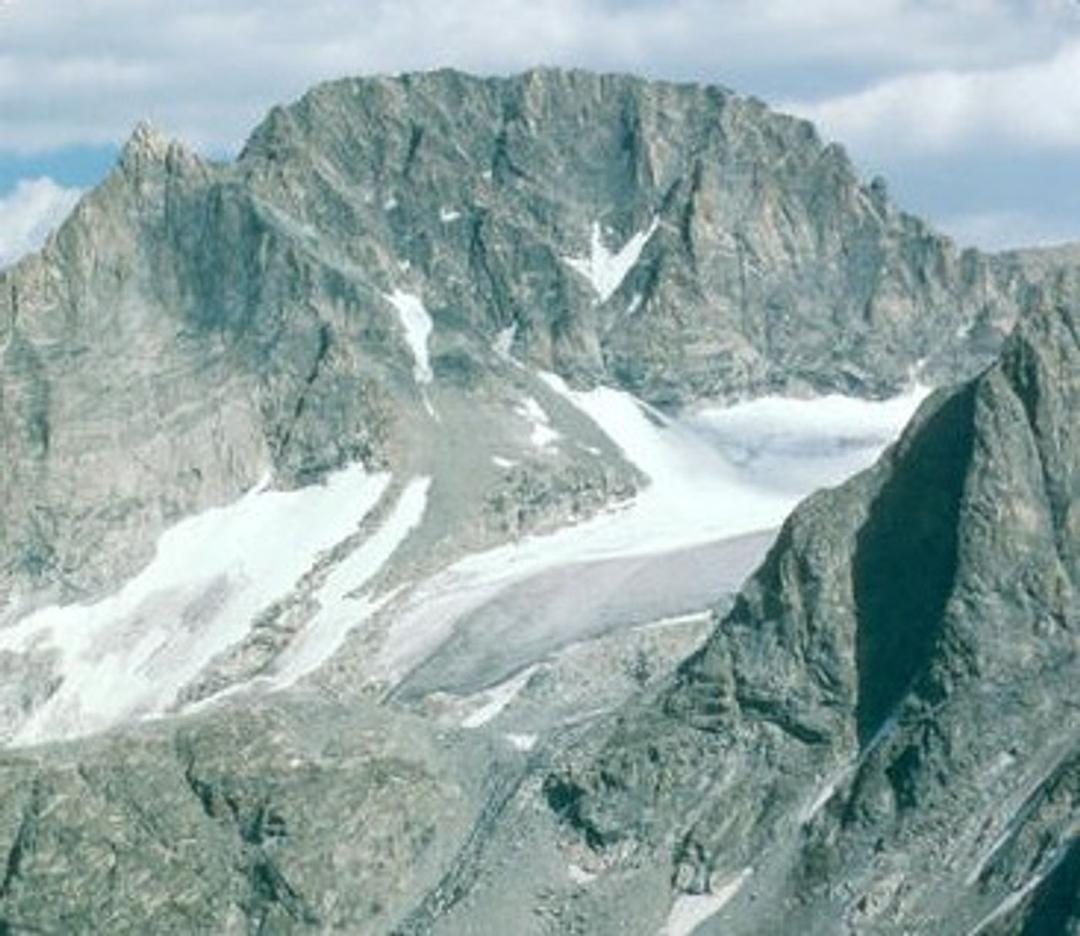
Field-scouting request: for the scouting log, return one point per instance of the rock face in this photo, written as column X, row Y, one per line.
column 884, row 727
column 197, row 325
column 768, row 265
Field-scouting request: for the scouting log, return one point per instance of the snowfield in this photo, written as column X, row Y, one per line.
column 129, row 654
column 801, row 445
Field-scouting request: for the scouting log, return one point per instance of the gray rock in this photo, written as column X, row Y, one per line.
column 269, row 820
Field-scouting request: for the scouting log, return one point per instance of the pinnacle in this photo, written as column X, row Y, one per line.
column 145, row 143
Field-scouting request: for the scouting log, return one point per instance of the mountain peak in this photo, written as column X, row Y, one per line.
column 441, row 316
column 147, row 146
column 145, row 143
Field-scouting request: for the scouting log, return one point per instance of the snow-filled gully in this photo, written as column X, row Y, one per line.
column 604, row 269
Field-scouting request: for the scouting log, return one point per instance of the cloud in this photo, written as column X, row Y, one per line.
column 28, row 213
column 1031, row 105
column 1005, row 230
column 933, row 93
column 73, row 72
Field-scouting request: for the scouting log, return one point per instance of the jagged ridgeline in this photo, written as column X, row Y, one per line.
column 195, row 325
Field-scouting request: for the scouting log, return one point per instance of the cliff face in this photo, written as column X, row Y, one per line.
column 770, row 265
column 195, row 325
column 884, row 726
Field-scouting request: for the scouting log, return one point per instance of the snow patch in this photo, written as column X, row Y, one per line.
column 428, row 407
column 504, row 341
column 1013, row 804
column 497, row 698
column 1007, row 905
column 605, row 270
column 417, row 325
column 542, row 434
column 824, row 794
column 129, row 654
column 340, row 612
column 840, row 776
column 522, row 742
column 579, row 875
column 691, row 910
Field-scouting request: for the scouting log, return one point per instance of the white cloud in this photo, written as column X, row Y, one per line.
column 1005, row 230
column 917, row 89
column 1032, row 105
column 28, row 213
column 75, row 72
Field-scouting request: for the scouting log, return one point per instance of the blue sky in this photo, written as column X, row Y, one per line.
column 78, row 166
column 970, row 108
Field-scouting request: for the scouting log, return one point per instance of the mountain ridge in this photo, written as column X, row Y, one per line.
column 270, row 274
column 922, row 715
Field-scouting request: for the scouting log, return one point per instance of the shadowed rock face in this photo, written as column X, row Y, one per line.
column 885, row 723
column 905, row 563
column 195, row 325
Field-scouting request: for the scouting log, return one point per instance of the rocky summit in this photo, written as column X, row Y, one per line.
column 379, row 517
column 195, row 325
